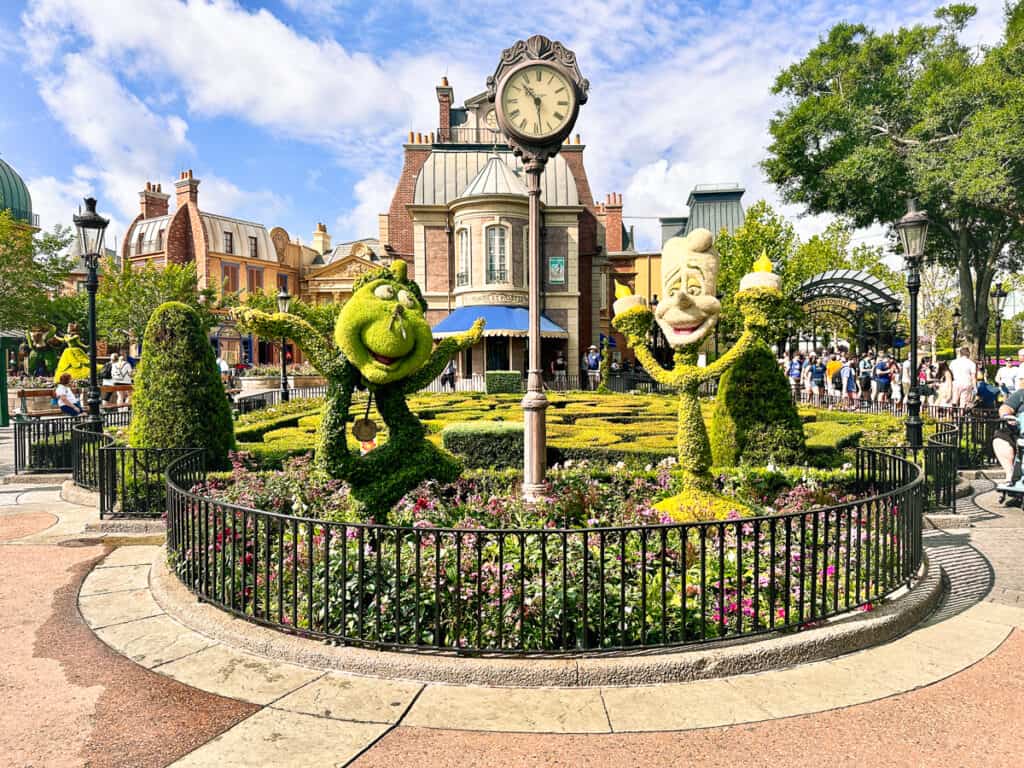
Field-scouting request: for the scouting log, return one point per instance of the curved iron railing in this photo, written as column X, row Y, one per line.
column 548, row 590
column 43, row 445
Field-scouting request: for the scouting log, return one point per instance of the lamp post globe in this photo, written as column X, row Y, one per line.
column 91, row 231
column 284, row 302
column 913, row 233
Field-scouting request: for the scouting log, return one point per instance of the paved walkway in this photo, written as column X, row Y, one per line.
column 95, row 673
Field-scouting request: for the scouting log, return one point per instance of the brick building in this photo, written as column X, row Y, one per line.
column 459, row 217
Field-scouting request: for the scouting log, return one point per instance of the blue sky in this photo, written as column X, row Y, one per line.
column 293, row 112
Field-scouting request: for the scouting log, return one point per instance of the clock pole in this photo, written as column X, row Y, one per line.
column 538, row 53
column 535, row 402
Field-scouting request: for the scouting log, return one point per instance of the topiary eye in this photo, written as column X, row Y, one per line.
column 406, row 299
column 384, row 291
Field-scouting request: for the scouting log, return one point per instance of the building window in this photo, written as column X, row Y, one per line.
column 254, row 248
column 229, row 242
column 160, row 240
column 254, row 279
column 139, row 245
column 230, row 274
column 465, row 259
column 497, row 269
column 282, row 282
column 604, row 289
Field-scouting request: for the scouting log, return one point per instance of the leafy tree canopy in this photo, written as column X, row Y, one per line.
column 871, row 119
column 31, row 270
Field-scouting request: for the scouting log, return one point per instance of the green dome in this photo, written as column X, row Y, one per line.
column 14, row 194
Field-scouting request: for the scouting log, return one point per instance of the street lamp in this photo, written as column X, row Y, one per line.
column 284, row 301
column 956, row 326
column 91, row 229
column 913, row 231
column 999, row 296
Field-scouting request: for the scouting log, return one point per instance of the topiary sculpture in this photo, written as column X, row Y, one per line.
column 687, row 314
column 382, row 343
column 179, row 400
column 755, row 420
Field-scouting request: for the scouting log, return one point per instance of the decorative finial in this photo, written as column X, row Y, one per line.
column 622, row 291
column 763, row 263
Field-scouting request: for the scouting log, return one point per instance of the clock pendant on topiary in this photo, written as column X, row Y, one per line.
column 365, row 429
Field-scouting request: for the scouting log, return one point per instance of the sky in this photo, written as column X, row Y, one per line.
column 294, row 112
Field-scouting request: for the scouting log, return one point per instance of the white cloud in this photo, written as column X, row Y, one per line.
column 373, row 196
column 219, row 195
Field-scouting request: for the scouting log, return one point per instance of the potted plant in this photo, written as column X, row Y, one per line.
column 260, row 378
column 304, row 375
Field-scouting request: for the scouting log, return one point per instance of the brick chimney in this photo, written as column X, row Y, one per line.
column 153, row 201
column 613, row 223
column 445, row 94
column 186, row 189
column 321, row 239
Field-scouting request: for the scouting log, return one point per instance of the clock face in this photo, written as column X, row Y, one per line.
column 537, row 101
column 491, row 120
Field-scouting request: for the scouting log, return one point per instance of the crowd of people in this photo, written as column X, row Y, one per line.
column 840, row 378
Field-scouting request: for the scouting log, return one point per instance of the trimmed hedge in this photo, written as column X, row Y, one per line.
column 179, row 400
column 754, row 419
column 485, row 444
column 503, row 382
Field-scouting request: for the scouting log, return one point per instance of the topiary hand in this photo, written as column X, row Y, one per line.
column 635, row 323
column 467, row 339
column 320, row 350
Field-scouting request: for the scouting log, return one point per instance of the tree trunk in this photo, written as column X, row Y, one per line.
column 976, row 274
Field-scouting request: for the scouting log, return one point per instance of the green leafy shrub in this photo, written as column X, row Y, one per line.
column 53, row 454
column 754, row 420
column 497, row 444
column 179, row 400
column 496, row 382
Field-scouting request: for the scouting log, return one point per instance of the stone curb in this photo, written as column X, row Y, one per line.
column 849, row 633
column 35, row 479
column 83, row 497
column 949, row 522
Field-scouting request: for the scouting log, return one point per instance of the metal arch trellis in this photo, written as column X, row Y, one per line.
column 866, row 291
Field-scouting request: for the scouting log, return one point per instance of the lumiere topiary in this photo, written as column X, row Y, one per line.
column 382, row 343
column 179, row 400
column 755, row 420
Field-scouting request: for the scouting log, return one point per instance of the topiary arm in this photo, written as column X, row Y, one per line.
column 320, row 350
column 635, row 324
column 445, row 351
column 758, row 306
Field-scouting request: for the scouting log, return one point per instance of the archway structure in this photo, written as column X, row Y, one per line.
column 851, row 295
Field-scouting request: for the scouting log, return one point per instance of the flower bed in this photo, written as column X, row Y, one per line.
column 591, row 567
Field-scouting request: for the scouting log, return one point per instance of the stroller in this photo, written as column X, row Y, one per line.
column 1014, row 488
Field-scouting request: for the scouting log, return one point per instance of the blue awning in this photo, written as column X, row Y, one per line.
column 500, row 321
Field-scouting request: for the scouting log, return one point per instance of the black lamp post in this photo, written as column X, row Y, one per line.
column 956, row 326
column 91, row 229
column 913, row 231
column 284, row 301
column 999, row 296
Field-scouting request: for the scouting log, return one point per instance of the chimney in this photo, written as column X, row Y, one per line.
column 153, row 201
column 186, row 189
column 384, row 229
column 445, row 94
column 321, row 239
column 613, row 223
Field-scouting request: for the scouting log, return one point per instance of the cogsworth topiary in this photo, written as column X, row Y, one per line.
column 686, row 315
column 382, row 342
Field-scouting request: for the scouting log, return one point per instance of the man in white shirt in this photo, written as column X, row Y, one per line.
column 1006, row 378
column 965, row 379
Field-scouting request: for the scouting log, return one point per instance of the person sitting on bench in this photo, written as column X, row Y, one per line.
column 66, row 398
column 1004, row 441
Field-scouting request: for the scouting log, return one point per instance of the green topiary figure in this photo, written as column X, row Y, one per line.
column 179, row 400
column 382, row 342
column 755, row 419
column 686, row 315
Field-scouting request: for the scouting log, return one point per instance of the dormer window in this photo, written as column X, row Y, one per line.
column 254, row 248
column 229, row 242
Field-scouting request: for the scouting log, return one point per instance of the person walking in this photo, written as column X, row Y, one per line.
column 883, row 378
column 592, row 363
column 121, row 375
column 944, row 385
column 559, row 371
column 818, row 373
column 965, row 377
column 448, row 376
column 865, row 368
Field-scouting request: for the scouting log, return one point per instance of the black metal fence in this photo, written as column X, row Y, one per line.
column 43, row 445
column 474, row 590
column 272, row 397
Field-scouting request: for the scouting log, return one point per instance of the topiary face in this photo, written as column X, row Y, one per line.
column 689, row 269
column 382, row 329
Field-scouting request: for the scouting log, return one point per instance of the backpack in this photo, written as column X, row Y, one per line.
column 837, row 379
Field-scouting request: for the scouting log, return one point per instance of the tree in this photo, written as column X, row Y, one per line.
column 763, row 231
column 31, row 270
column 127, row 298
column 179, row 400
column 873, row 119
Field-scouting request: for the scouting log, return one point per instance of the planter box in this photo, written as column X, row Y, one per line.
column 307, row 380
column 253, row 384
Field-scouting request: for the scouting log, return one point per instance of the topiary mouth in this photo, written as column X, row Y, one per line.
column 383, row 359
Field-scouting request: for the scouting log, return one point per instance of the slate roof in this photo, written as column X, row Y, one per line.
column 447, row 172
column 495, row 178
column 714, row 207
